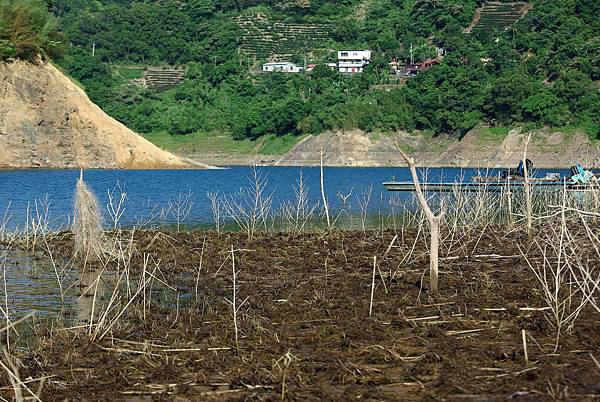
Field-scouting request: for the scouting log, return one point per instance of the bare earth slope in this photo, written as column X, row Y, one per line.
column 48, row 121
column 355, row 148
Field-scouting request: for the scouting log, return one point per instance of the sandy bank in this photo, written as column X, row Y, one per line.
column 47, row 121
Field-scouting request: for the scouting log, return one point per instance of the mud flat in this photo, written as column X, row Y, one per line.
column 303, row 325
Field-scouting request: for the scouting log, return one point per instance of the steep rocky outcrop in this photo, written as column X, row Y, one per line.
column 47, row 121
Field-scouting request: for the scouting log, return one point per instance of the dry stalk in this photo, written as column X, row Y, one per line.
column 107, row 320
column 595, row 361
column 344, row 197
column 155, row 217
column 283, row 364
column 528, row 203
column 561, row 254
column 11, row 325
column 585, row 274
column 233, row 301
column 4, row 233
column 325, row 205
column 116, row 205
column 251, row 207
column 524, row 340
column 372, row 286
column 363, row 201
column 56, row 273
column 508, row 194
column 200, row 266
column 298, row 213
column 6, row 310
column 38, row 223
column 12, row 369
column 95, row 284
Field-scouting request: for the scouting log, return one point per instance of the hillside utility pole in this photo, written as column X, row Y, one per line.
column 412, row 60
column 93, row 49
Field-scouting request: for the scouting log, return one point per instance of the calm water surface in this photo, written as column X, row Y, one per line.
column 148, row 191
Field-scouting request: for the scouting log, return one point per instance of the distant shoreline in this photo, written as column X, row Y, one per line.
column 230, row 166
column 549, row 149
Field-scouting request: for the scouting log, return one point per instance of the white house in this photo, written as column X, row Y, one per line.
column 284, row 67
column 353, row 61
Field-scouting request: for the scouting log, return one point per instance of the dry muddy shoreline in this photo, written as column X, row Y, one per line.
column 549, row 148
column 303, row 325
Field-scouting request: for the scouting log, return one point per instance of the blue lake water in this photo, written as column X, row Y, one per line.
column 149, row 191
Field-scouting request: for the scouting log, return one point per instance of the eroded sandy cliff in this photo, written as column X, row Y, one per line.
column 47, row 121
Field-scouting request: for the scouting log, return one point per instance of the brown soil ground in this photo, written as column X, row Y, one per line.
column 305, row 331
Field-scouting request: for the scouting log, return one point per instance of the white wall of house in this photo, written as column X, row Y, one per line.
column 349, row 55
column 283, row 67
column 351, row 70
column 353, row 61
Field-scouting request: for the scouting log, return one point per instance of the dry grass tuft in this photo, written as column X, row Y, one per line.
column 88, row 233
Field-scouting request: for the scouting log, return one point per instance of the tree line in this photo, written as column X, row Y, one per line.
column 543, row 71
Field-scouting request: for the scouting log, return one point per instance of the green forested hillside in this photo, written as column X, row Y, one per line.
column 543, row 70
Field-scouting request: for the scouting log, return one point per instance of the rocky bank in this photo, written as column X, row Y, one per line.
column 547, row 148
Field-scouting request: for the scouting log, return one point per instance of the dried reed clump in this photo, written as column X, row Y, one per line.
column 87, row 223
column 250, row 208
column 296, row 214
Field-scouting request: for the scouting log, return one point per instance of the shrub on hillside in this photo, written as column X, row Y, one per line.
column 28, row 31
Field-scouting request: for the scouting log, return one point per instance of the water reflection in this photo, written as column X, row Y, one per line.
column 30, row 283
column 93, row 290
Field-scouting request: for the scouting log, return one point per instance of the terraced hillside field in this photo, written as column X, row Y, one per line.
column 279, row 4
column 156, row 78
column 266, row 39
column 497, row 16
column 162, row 79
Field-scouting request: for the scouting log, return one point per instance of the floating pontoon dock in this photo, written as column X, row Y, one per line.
column 495, row 186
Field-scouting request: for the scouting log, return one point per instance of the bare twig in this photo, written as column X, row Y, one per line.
column 200, row 266
column 325, row 205
column 528, row 203
column 372, row 286
column 524, row 339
